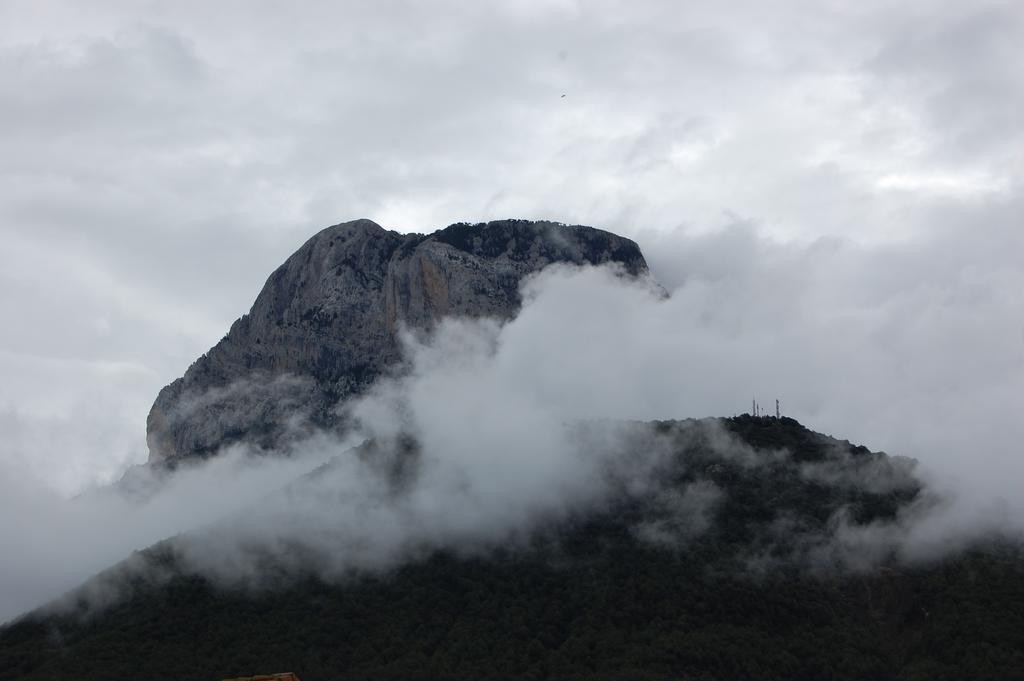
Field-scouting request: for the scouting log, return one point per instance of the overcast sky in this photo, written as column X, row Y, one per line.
column 864, row 159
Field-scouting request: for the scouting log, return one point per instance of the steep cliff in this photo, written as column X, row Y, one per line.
column 325, row 324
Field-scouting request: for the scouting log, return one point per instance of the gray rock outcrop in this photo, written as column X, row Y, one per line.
column 326, row 323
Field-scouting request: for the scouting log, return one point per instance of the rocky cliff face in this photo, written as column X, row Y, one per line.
column 325, row 324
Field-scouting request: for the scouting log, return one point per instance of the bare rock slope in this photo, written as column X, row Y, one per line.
column 325, row 324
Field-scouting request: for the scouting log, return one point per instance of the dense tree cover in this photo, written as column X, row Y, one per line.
column 588, row 599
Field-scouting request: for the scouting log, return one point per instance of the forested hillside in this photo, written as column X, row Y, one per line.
column 636, row 591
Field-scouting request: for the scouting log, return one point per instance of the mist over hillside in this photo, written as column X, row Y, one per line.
column 487, row 405
column 739, row 548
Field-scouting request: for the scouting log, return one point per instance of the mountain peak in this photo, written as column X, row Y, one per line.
column 326, row 323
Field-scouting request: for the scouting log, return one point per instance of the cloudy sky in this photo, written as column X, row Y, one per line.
column 837, row 185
